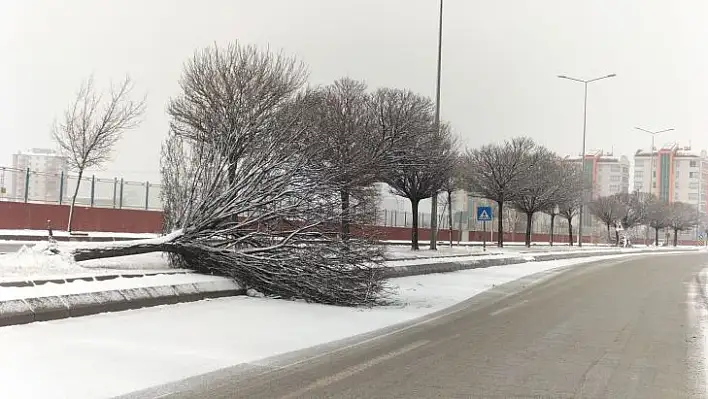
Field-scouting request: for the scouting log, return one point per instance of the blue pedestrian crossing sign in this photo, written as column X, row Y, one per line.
column 484, row 213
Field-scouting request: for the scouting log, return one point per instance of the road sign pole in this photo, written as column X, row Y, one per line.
column 484, row 235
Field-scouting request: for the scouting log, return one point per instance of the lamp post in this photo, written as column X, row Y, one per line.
column 434, row 199
column 582, row 156
column 651, row 156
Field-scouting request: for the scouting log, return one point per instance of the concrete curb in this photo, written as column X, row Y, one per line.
column 446, row 267
column 97, row 277
column 23, row 311
column 19, row 237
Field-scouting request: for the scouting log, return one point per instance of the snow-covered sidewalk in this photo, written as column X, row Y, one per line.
column 61, row 233
column 111, row 354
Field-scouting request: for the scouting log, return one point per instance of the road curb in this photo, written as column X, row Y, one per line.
column 89, row 278
column 20, row 237
column 23, row 311
column 452, row 266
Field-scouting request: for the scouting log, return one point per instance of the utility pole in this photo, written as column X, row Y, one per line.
column 434, row 199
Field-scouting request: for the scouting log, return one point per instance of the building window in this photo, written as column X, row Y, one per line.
column 693, row 196
column 639, row 175
column 638, row 186
column 693, row 185
column 615, row 168
column 693, row 164
column 614, row 188
column 693, row 175
column 615, row 178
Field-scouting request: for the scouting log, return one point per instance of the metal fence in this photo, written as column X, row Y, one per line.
column 37, row 187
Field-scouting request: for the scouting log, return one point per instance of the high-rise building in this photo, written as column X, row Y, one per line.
column 43, row 183
column 673, row 173
column 606, row 173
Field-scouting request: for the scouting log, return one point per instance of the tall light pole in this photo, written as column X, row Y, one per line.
column 582, row 156
column 434, row 199
column 651, row 159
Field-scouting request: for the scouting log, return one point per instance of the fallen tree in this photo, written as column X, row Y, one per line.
column 241, row 201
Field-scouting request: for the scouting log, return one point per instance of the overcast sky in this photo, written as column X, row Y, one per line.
column 500, row 61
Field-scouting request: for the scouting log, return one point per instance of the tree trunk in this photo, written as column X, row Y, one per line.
column 527, row 236
column 414, row 227
column 73, row 201
column 553, row 219
column 609, row 238
column 124, row 249
column 617, row 238
column 345, row 227
column 570, row 231
column 500, row 225
column 449, row 215
column 675, row 237
column 656, row 236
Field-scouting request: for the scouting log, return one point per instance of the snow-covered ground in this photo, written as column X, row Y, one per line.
column 34, row 261
column 60, row 233
column 82, row 287
column 115, row 353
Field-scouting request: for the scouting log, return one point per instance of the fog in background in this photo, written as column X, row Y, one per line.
column 500, row 61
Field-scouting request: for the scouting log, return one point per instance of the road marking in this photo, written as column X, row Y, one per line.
column 502, row 310
column 322, row 382
column 698, row 322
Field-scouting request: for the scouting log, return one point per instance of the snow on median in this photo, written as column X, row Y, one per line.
column 40, row 260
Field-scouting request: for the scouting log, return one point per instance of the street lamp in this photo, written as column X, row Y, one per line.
column 582, row 157
column 434, row 199
column 651, row 156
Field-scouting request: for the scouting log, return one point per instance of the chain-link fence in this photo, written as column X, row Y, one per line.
column 37, row 187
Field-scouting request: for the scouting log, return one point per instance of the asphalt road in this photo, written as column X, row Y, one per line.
column 617, row 329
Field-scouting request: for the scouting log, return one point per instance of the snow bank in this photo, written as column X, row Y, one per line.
column 60, row 233
column 37, row 259
column 120, row 283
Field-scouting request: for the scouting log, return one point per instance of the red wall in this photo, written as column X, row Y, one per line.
column 18, row 215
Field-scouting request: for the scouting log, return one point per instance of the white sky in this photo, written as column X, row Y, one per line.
column 500, row 61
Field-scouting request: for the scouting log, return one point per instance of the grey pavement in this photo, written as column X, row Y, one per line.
column 613, row 329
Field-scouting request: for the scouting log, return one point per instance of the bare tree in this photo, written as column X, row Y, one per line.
column 681, row 216
column 92, row 125
column 233, row 95
column 657, row 216
column 634, row 210
column 512, row 217
column 452, row 184
column 552, row 212
column 355, row 152
column 608, row 209
column 256, row 214
column 568, row 210
column 425, row 160
column 569, row 198
column 495, row 172
column 540, row 191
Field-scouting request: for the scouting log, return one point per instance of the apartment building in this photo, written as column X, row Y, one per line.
column 43, row 182
column 608, row 174
column 673, row 173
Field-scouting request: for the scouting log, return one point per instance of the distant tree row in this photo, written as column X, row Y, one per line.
column 522, row 174
column 625, row 211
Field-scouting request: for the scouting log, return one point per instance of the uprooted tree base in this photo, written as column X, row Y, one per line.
column 344, row 274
